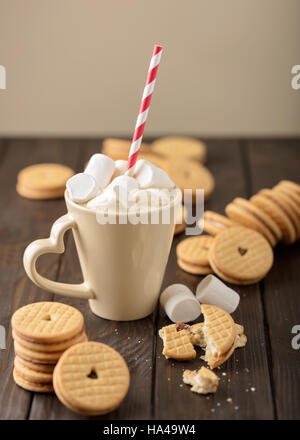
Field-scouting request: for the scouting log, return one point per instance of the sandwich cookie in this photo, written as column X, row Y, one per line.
column 191, row 175
column 240, row 255
column 286, row 205
column 43, row 181
column 192, row 254
column 180, row 147
column 214, row 223
column 248, row 215
column 263, row 200
column 91, row 378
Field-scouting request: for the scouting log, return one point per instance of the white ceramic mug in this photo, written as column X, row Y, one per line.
column 122, row 264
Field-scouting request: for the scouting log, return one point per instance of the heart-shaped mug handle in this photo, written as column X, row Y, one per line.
column 54, row 245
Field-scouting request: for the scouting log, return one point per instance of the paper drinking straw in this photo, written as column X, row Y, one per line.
column 144, row 108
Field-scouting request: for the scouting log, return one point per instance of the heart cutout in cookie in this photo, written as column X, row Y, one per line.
column 242, row 251
column 47, row 318
column 93, row 374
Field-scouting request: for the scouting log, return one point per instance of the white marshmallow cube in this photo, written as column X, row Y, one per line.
column 148, row 175
column 180, row 303
column 213, row 291
column 120, row 168
column 82, row 187
column 101, row 167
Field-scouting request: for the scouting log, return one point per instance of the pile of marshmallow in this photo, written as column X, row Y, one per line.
column 103, row 178
column 181, row 305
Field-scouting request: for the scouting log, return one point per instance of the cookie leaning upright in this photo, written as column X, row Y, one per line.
column 220, row 335
column 240, row 255
column 43, row 181
column 91, row 378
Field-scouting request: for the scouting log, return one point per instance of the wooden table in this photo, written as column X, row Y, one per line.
column 262, row 379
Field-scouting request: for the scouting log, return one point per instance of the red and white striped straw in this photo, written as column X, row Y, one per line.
column 144, row 108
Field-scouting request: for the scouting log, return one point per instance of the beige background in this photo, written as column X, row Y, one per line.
column 77, row 67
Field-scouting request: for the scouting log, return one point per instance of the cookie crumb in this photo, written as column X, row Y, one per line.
column 229, row 400
column 252, row 388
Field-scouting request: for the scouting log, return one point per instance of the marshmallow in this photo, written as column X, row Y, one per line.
column 120, row 168
column 213, row 291
column 101, row 167
column 119, row 189
column 125, row 182
column 148, row 175
column 180, row 303
column 82, row 187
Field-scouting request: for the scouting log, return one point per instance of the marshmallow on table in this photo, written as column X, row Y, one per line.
column 84, row 186
column 148, row 175
column 180, row 303
column 213, row 291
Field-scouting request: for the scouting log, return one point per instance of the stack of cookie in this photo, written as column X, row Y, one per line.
column 42, row 332
column 43, row 181
column 274, row 213
column 192, row 254
column 181, row 157
column 240, row 252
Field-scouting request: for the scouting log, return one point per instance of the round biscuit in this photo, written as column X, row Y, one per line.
column 92, row 378
column 194, row 250
column 30, row 374
column 181, row 147
column 191, row 175
column 31, row 386
column 213, row 223
column 47, row 322
column 241, row 253
column 42, row 368
column 48, row 348
column 193, row 268
column 44, row 176
column 247, row 219
column 279, row 216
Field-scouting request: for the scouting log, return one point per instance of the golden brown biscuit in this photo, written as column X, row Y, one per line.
column 177, row 344
column 47, row 322
column 183, row 148
column 241, row 254
column 191, row 175
column 91, row 378
column 43, row 181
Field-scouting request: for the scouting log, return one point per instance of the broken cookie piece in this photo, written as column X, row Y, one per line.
column 203, row 381
column 177, row 344
column 219, row 333
column 241, row 338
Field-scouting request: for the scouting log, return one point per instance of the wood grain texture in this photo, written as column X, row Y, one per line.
column 248, row 367
column 22, row 221
column 270, row 161
column 267, row 364
column 134, row 340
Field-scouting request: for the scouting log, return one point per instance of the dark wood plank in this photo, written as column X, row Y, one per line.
column 271, row 161
column 134, row 340
column 248, row 367
column 23, row 221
